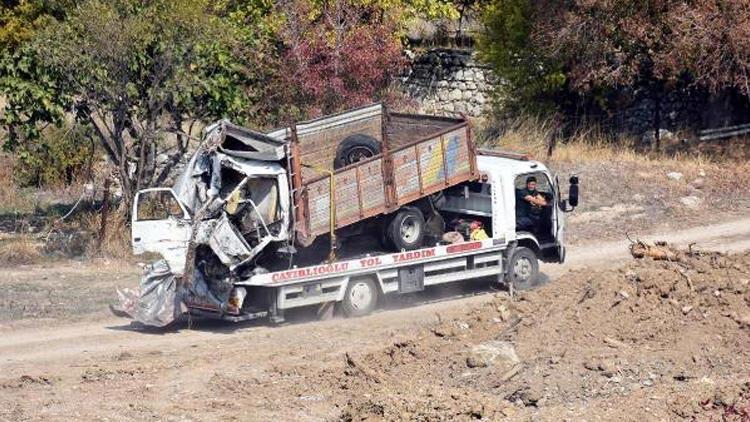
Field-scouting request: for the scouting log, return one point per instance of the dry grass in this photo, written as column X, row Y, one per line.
column 116, row 242
column 21, row 250
column 11, row 198
column 74, row 238
column 592, row 146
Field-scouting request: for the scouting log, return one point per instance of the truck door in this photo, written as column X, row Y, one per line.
column 160, row 224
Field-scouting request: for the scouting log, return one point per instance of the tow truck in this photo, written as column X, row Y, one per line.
column 258, row 225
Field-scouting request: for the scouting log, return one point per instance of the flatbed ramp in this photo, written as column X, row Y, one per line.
column 401, row 272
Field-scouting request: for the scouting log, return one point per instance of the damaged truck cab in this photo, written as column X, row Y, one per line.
column 345, row 209
column 248, row 193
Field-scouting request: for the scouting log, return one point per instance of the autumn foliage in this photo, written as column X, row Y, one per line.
column 589, row 47
column 710, row 39
column 340, row 56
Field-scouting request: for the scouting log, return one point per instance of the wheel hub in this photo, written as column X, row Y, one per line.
column 360, row 296
column 522, row 269
column 358, row 154
column 409, row 229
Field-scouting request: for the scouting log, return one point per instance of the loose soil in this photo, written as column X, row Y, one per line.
column 652, row 340
column 627, row 340
column 61, row 292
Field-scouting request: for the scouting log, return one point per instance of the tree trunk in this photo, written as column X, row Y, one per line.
column 657, row 119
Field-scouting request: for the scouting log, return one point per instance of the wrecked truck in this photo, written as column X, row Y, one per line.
column 339, row 210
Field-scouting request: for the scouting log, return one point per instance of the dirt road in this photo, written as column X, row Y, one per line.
column 731, row 236
column 108, row 369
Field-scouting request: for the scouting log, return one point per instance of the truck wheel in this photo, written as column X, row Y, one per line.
column 523, row 268
column 360, row 298
column 406, row 229
column 355, row 148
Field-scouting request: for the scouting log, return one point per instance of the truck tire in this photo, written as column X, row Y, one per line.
column 355, row 148
column 406, row 230
column 523, row 268
column 360, row 298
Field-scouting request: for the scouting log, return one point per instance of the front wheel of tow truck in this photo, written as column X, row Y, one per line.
column 361, row 297
column 523, row 268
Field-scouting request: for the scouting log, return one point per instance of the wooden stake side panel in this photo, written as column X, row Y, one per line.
column 406, row 173
column 318, row 202
column 372, row 188
column 359, row 194
column 347, row 197
column 419, row 170
column 430, row 162
column 458, row 156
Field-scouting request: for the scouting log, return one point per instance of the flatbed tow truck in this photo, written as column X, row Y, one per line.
column 399, row 249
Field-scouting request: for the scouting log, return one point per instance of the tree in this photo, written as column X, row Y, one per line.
column 609, row 43
column 528, row 79
column 136, row 72
column 403, row 11
column 607, row 46
column 585, row 53
column 709, row 39
column 20, row 19
column 339, row 56
column 31, row 93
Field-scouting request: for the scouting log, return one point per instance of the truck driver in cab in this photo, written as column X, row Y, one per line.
column 530, row 205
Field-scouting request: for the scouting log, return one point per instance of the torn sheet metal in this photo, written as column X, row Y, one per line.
column 190, row 187
column 203, row 231
column 201, row 178
column 157, row 302
column 249, row 144
column 227, row 243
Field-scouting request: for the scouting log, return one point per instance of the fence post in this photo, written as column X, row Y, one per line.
column 105, row 211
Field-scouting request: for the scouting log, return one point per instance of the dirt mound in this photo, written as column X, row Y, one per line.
column 654, row 339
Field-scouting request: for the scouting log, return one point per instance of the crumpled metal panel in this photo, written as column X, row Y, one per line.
column 227, row 243
column 257, row 146
column 157, row 302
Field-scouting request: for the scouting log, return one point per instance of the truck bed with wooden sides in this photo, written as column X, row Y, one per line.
column 418, row 155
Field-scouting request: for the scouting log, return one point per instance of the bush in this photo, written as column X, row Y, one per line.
column 341, row 56
column 12, row 199
column 59, row 157
column 19, row 251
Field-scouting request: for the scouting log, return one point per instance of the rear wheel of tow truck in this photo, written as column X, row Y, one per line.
column 406, row 229
column 361, row 297
column 523, row 268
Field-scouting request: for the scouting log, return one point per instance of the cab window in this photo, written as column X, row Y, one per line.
column 158, row 205
column 542, row 182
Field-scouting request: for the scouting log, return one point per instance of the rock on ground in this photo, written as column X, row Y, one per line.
column 494, row 353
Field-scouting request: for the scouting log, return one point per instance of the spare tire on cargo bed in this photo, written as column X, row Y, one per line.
column 355, row 148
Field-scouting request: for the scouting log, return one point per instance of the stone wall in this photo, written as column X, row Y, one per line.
column 446, row 81
column 682, row 108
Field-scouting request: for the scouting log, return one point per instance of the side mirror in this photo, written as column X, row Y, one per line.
column 573, row 192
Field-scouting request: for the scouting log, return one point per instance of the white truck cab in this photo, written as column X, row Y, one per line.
column 508, row 176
